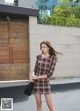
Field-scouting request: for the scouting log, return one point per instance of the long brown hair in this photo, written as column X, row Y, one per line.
column 52, row 51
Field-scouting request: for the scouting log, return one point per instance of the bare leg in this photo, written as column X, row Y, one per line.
column 38, row 101
column 49, row 102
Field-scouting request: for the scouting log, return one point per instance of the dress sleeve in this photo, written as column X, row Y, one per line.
column 35, row 68
column 52, row 67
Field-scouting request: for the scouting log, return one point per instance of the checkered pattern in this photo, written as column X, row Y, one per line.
column 44, row 66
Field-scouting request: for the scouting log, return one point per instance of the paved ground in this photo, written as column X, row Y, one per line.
column 66, row 97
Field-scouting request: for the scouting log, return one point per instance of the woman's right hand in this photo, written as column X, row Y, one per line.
column 34, row 77
column 31, row 79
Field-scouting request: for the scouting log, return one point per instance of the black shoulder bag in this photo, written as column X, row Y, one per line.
column 29, row 87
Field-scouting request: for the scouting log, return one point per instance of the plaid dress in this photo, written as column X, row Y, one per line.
column 44, row 66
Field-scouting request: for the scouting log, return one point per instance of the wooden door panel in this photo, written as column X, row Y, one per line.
column 19, row 35
column 19, row 71
column 20, row 55
column 19, row 42
column 4, row 72
column 4, row 42
column 4, row 55
column 19, row 27
column 19, row 30
column 4, row 32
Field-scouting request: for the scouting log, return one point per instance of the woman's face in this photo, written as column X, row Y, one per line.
column 44, row 48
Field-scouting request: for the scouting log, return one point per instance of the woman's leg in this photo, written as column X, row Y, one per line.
column 38, row 101
column 49, row 102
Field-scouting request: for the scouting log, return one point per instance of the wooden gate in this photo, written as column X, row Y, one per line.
column 14, row 51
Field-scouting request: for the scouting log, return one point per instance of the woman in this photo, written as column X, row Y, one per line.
column 45, row 65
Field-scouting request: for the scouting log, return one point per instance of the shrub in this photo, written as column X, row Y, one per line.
column 64, row 15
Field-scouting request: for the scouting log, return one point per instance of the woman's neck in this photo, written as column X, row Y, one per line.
column 46, row 55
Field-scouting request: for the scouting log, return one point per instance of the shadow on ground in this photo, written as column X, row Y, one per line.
column 17, row 93
column 65, row 87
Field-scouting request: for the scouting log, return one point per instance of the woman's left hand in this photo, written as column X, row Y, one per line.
column 34, row 77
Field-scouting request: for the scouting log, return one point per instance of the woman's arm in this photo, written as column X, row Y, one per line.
column 39, row 77
column 53, row 64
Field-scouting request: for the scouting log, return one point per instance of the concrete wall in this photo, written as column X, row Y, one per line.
column 2, row 2
column 63, row 39
column 27, row 3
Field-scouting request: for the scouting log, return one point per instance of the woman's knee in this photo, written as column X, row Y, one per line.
column 38, row 99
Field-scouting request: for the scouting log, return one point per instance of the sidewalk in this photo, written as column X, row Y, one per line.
column 52, row 81
column 65, row 81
